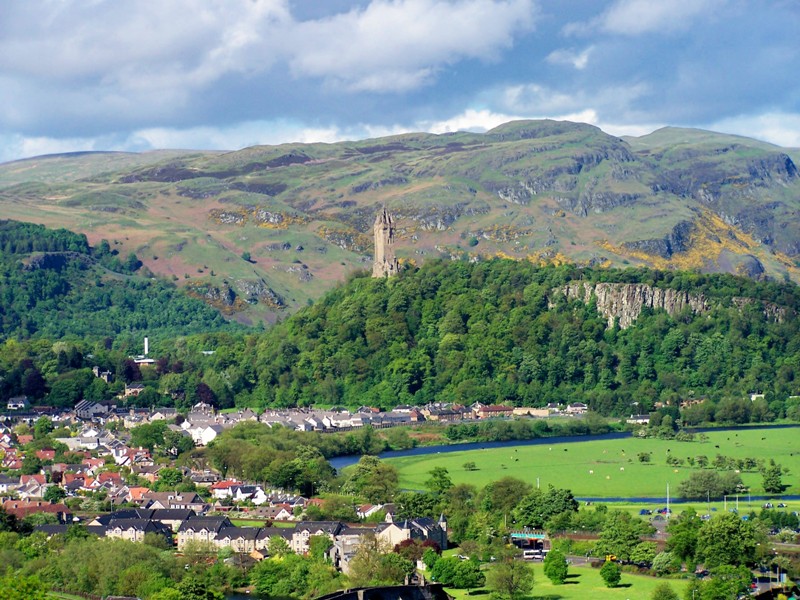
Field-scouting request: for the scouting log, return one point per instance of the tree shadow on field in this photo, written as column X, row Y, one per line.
column 545, row 597
column 572, row 579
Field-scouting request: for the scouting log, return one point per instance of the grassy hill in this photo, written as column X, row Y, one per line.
column 545, row 191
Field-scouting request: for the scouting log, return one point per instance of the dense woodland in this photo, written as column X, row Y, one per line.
column 53, row 285
column 493, row 331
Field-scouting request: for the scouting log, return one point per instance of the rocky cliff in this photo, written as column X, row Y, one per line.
column 624, row 301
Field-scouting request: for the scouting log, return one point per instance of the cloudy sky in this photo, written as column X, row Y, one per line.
column 225, row 74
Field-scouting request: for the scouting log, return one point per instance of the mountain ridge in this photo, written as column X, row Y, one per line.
column 545, row 191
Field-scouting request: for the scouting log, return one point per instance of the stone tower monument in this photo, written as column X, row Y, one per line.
column 385, row 264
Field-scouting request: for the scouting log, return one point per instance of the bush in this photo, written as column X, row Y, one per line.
column 555, row 567
column 664, row 591
column 611, row 573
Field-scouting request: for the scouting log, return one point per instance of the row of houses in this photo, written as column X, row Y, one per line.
column 203, row 423
column 183, row 528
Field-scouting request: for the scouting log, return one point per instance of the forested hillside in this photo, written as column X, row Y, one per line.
column 496, row 332
column 54, row 285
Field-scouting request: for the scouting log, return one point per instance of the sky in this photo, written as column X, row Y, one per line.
column 127, row 75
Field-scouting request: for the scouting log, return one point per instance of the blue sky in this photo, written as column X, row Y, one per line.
column 226, row 74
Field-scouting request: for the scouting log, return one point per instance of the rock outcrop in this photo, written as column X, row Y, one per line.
column 623, row 302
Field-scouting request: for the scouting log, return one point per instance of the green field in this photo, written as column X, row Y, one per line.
column 582, row 583
column 610, row 468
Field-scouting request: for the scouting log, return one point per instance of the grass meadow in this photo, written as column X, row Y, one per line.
column 610, row 468
column 582, row 583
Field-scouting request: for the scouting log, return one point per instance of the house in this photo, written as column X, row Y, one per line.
column 422, row 529
column 201, row 529
column 207, row 435
column 46, row 454
column 528, row 411
column 238, row 539
column 104, row 375
column 26, row 507
column 134, row 530
column 125, row 513
column 163, row 414
column 185, row 500
column 133, row 389
column 278, row 512
column 306, row 529
column 253, row 493
column 577, row 408
column 264, row 535
column 8, row 484
column 18, row 403
column 345, row 547
column 204, row 479
column 638, row 419
column 223, row 489
column 494, row 411
column 366, row 510
column 172, row 517
column 87, row 410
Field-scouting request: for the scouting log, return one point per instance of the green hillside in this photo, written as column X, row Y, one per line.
column 546, row 191
column 500, row 331
column 53, row 285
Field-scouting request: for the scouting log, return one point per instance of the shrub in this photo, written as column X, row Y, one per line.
column 611, row 573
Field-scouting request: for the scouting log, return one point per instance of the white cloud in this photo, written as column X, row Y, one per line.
column 470, row 120
column 778, row 128
column 578, row 60
column 396, row 45
column 636, row 17
column 119, row 43
column 542, row 100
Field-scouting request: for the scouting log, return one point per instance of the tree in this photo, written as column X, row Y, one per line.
column 611, row 573
column 620, row 534
column 726, row 581
column 19, row 587
column 318, row 546
column 373, row 479
column 167, row 594
column 42, row 427
column 373, row 564
column 54, row 494
column 509, row 578
column 439, row 481
column 169, row 478
column 192, row 588
column 771, row 477
column 278, row 546
column 460, row 574
column 555, row 566
column 665, row 563
column 682, row 540
column 664, row 591
column 538, row 507
column 727, row 540
column 246, row 256
column 703, row 484
column 31, row 465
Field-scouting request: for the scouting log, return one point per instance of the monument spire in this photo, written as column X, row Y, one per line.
column 385, row 263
